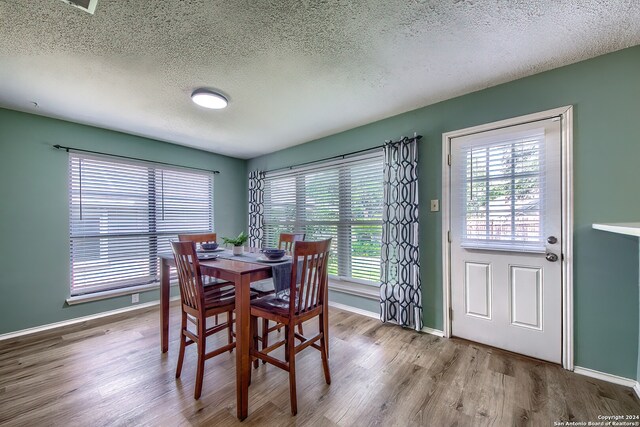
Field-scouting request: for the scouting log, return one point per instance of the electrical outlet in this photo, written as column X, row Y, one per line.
column 135, row 298
column 435, row 205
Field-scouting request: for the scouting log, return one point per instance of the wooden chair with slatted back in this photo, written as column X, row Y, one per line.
column 305, row 300
column 208, row 282
column 287, row 240
column 197, row 305
column 199, row 238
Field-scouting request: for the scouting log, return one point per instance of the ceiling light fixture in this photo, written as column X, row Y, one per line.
column 209, row 99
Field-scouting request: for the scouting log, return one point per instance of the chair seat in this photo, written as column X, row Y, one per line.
column 208, row 281
column 218, row 298
column 276, row 303
column 263, row 287
column 222, row 296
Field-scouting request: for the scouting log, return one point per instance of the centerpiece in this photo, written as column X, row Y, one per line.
column 238, row 243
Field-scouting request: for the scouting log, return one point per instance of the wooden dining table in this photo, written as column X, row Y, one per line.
column 241, row 274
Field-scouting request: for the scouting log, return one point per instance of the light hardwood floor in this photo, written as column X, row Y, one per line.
column 114, row 374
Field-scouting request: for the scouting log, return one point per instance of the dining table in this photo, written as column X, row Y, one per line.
column 241, row 273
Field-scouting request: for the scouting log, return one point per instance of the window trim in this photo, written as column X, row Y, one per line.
column 565, row 114
column 362, row 290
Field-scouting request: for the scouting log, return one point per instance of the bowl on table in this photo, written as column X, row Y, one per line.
column 273, row 253
column 209, row 246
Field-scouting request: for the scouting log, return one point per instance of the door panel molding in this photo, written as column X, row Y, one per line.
column 565, row 115
column 474, row 272
column 524, row 290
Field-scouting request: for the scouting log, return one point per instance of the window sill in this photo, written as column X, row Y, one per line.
column 102, row 295
column 353, row 288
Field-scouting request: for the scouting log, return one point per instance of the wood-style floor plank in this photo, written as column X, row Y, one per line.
column 103, row 374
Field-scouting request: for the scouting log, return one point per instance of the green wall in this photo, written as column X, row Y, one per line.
column 605, row 93
column 34, row 214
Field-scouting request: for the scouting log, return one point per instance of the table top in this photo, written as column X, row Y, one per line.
column 225, row 264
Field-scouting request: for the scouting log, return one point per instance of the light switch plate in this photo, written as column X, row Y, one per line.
column 435, row 205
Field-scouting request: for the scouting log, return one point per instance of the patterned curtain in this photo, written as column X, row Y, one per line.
column 400, row 293
column 256, row 208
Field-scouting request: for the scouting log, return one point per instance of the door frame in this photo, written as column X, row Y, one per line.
column 566, row 132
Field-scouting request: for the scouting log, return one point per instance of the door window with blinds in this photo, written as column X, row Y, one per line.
column 123, row 213
column 503, row 193
column 339, row 199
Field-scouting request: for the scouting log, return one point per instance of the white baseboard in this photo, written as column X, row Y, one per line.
column 615, row 379
column 354, row 310
column 436, row 332
column 373, row 315
column 636, row 388
column 77, row 320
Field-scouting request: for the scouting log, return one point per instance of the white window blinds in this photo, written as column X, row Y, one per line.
column 503, row 193
column 338, row 199
column 123, row 213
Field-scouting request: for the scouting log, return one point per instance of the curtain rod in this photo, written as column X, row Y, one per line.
column 342, row 156
column 61, row 147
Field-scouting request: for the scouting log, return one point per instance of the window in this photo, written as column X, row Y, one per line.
column 123, row 213
column 503, row 193
column 338, row 199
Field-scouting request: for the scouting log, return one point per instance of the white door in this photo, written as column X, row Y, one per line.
column 506, row 272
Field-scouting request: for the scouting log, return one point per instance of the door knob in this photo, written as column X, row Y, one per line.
column 552, row 240
column 551, row 257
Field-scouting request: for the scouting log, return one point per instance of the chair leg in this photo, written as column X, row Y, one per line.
column 323, row 352
column 183, row 341
column 254, row 334
column 215, row 320
column 265, row 335
column 291, row 352
column 202, row 343
column 286, row 343
column 300, row 331
column 230, row 327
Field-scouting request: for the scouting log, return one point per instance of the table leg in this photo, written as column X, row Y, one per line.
column 243, row 361
column 164, row 305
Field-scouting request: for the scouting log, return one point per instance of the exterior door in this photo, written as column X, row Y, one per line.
column 506, row 261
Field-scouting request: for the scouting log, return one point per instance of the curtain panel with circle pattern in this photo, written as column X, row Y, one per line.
column 400, row 291
column 256, row 208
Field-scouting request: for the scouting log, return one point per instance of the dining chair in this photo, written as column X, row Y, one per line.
column 198, row 305
column 286, row 241
column 207, row 281
column 305, row 299
column 199, row 237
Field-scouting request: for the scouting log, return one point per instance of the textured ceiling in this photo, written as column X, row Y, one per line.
column 293, row 70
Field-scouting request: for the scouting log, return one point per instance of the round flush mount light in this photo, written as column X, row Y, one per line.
column 209, row 99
